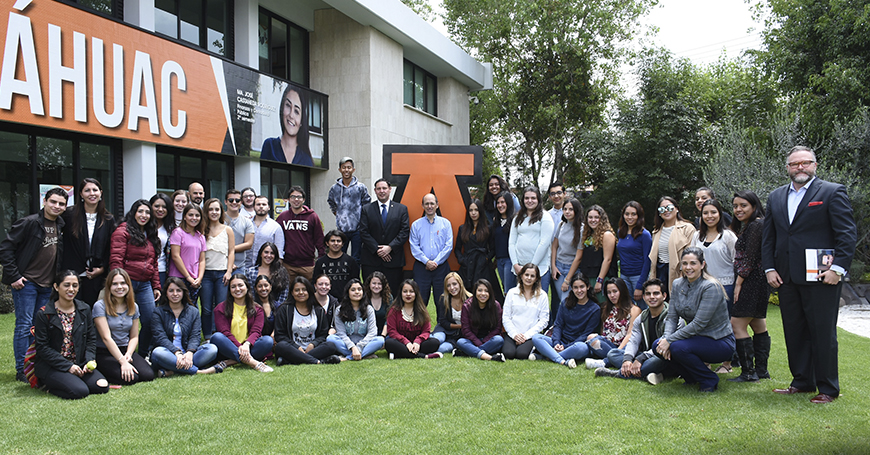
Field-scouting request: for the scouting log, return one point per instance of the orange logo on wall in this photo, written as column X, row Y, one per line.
column 65, row 68
column 446, row 171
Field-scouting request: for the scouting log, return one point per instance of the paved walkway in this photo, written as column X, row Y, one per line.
column 855, row 319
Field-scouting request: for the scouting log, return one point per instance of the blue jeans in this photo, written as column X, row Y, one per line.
column 162, row 280
column 651, row 365
column 729, row 291
column 506, row 273
column 688, row 358
column 430, row 282
column 563, row 269
column 544, row 345
column 212, row 292
column 441, row 336
column 631, row 282
column 204, row 356
column 27, row 301
column 354, row 240
column 603, row 349
column 144, row 296
column 373, row 346
column 226, row 348
column 614, row 357
column 492, row 346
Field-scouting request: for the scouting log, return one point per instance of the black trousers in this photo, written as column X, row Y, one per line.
column 294, row 356
column 809, row 321
column 111, row 368
column 513, row 351
column 400, row 351
column 71, row 387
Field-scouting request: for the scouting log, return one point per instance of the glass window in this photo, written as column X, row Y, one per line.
column 54, row 162
column 218, row 179
column 191, row 19
column 203, row 23
column 15, row 179
column 276, row 180
column 419, row 88
column 166, row 173
column 178, row 168
column 95, row 161
column 165, row 19
column 283, row 48
column 189, row 171
column 216, row 26
column 106, row 7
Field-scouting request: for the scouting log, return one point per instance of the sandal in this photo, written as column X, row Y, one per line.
column 220, row 366
column 263, row 368
column 723, row 370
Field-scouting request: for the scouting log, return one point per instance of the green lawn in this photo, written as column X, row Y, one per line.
column 441, row 406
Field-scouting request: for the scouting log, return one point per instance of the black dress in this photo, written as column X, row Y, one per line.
column 752, row 300
column 475, row 259
column 81, row 254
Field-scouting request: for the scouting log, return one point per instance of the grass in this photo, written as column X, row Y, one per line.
column 441, row 406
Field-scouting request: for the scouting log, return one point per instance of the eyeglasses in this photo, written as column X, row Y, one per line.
column 296, row 197
column 667, row 208
column 798, row 164
column 556, row 193
column 234, row 200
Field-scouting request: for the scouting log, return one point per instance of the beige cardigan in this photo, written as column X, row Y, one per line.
column 681, row 237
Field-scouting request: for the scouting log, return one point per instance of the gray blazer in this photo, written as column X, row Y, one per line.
column 702, row 305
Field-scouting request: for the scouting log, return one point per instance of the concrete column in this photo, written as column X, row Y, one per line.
column 140, row 171
column 246, row 24
column 139, row 13
column 247, row 173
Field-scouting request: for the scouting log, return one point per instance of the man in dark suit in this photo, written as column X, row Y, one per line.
column 384, row 228
column 808, row 213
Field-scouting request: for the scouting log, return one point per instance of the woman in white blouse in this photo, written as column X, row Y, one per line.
column 526, row 313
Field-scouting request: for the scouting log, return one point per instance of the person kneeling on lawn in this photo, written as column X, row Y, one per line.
column 638, row 360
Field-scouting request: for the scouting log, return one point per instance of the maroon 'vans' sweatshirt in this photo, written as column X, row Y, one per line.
column 303, row 234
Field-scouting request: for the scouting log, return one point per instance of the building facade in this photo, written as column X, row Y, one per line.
column 151, row 95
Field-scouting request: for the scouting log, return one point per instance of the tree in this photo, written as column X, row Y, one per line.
column 819, row 50
column 422, row 7
column 554, row 68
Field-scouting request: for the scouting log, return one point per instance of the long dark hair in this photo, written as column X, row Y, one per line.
column 345, row 309
column 577, row 223
column 509, row 211
column 168, row 223
column 489, row 199
column 720, row 225
column 229, row 304
column 148, row 233
column 256, row 296
column 758, row 212
column 386, row 294
column 482, row 223
column 571, row 299
column 637, row 229
column 279, row 279
column 421, row 314
column 58, row 279
column 302, row 137
column 538, row 211
column 312, row 299
column 623, row 305
column 185, row 293
column 659, row 220
column 78, row 210
column 483, row 319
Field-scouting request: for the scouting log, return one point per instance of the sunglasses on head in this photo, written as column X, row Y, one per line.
column 667, row 208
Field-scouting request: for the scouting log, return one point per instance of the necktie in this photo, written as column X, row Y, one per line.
column 384, row 213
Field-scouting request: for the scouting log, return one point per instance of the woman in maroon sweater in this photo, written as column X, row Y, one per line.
column 481, row 324
column 408, row 326
column 135, row 248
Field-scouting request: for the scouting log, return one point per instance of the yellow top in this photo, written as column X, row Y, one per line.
column 239, row 326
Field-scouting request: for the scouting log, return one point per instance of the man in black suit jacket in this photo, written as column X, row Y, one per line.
column 383, row 242
column 808, row 213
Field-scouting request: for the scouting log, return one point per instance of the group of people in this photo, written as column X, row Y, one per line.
column 630, row 302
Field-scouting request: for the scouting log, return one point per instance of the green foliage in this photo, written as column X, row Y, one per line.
column 554, row 68
column 422, row 7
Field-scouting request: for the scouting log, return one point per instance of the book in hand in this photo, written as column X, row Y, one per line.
column 819, row 260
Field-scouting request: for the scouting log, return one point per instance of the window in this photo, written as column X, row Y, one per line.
column 203, row 23
column 111, row 8
column 283, row 48
column 33, row 162
column 276, row 180
column 420, row 89
column 177, row 169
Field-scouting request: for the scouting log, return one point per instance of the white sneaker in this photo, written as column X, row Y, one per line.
column 571, row 364
column 655, row 378
column 592, row 364
column 392, row 356
column 533, row 357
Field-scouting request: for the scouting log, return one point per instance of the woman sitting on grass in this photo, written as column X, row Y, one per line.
column 177, row 331
column 526, row 313
column 324, row 298
column 66, row 341
column 239, row 318
column 452, row 301
column 578, row 317
column 481, row 324
column 301, row 328
column 356, row 332
column 269, row 265
column 707, row 337
column 617, row 319
column 116, row 317
column 263, row 297
column 408, row 326
column 378, row 292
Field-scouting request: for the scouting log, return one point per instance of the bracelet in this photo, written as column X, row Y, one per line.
column 599, row 280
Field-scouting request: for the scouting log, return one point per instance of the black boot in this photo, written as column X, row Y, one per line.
column 761, row 343
column 746, row 355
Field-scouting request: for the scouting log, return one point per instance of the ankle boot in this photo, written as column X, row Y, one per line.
column 761, row 344
column 746, row 355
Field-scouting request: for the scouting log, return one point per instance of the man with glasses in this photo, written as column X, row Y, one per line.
column 803, row 216
column 248, row 196
column 303, row 236
column 431, row 244
column 242, row 227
